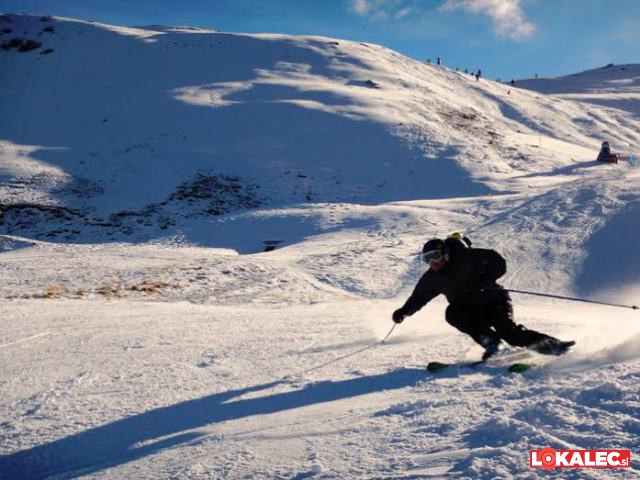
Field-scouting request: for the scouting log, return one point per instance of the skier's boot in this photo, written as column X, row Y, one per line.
column 491, row 346
column 553, row 346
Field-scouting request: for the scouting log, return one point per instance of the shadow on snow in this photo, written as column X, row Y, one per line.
column 613, row 259
column 131, row 438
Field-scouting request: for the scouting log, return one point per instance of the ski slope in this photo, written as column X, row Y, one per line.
column 147, row 335
column 614, row 86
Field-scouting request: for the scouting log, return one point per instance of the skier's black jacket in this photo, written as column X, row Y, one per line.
column 463, row 280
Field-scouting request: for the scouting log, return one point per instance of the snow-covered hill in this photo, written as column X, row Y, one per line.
column 615, row 86
column 147, row 334
column 216, row 121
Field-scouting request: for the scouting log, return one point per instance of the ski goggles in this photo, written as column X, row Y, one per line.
column 432, row 256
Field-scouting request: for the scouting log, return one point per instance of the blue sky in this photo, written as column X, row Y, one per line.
column 506, row 38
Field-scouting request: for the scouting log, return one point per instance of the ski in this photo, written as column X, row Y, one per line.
column 519, row 367
column 435, row 367
column 513, row 360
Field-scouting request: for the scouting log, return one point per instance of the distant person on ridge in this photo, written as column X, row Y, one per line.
column 478, row 306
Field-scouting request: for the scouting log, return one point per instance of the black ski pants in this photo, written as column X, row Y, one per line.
column 488, row 318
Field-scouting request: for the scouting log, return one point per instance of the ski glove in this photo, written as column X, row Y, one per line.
column 398, row 316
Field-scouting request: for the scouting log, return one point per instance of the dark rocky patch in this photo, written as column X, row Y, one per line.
column 20, row 44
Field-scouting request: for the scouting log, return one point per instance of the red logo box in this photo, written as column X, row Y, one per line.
column 548, row 458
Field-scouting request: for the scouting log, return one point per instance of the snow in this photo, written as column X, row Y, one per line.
column 146, row 333
column 612, row 85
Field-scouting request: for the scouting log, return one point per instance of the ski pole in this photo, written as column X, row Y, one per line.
column 388, row 334
column 351, row 354
column 574, row 299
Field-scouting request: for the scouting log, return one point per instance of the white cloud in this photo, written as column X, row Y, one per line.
column 507, row 16
column 361, row 7
column 403, row 12
column 382, row 9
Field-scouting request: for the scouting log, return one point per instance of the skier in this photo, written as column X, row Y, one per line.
column 605, row 153
column 478, row 306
